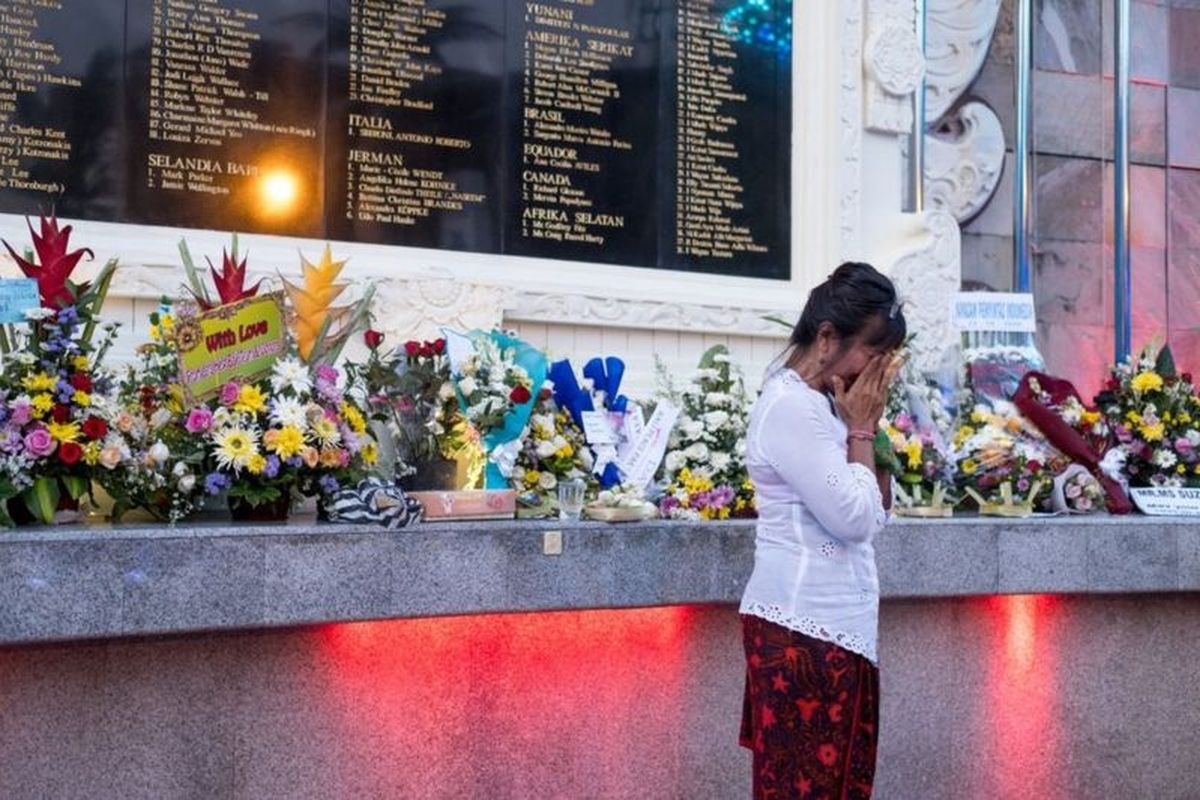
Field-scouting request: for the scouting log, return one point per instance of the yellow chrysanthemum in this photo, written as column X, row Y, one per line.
column 235, row 447
column 80, row 363
column 1147, row 382
column 354, row 418
column 566, row 451
column 167, row 322
column 64, row 431
column 370, row 454
column 256, row 464
column 913, row 450
column 39, row 382
column 1181, row 469
column 969, row 467
column 964, row 433
column 91, row 453
column 326, row 431
column 532, row 477
column 175, row 399
column 41, row 405
column 285, row 442
column 1152, row 433
column 250, row 400
column 1090, row 418
column 81, row 398
column 1133, row 417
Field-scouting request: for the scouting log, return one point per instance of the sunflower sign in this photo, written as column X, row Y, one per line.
column 237, row 342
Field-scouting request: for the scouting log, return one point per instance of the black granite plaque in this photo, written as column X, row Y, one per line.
column 414, row 127
column 651, row 133
column 225, row 101
column 61, row 146
column 728, row 137
column 582, row 123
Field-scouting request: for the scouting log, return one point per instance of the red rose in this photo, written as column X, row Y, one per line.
column 545, row 394
column 412, row 348
column 60, row 413
column 427, row 350
column 70, row 453
column 373, row 338
column 1034, row 466
column 95, row 428
column 519, row 395
column 439, row 346
column 81, row 382
column 1186, row 377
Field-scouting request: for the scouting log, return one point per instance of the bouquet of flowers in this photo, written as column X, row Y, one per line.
column 924, row 473
column 1154, row 414
column 150, row 460
column 52, row 386
column 496, row 383
column 296, row 432
column 1077, row 491
column 705, row 464
column 1004, row 463
column 597, row 397
column 552, row 450
column 410, row 392
column 1080, row 433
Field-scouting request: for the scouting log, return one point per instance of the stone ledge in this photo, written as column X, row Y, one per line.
column 101, row 582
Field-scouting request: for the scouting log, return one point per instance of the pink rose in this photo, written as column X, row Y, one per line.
column 199, row 420
column 39, row 443
column 230, row 393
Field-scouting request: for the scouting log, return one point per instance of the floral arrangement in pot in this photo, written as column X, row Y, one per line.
column 297, row 430
column 1154, row 413
column 151, row 458
column 923, row 472
column 52, row 384
column 705, row 466
column 410, row 396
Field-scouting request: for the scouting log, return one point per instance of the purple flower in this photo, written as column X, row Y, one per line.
column 199, row 420
column 215, row 483
column 722, row 496
column 271, row 470
column 326, row 373
column 1183, row 446
column 295, row 462
column 329, row 392
column 10, row 441
column 668, row 504
column 230, row 393
column 903, row 422
column 21, row 413
column 329, row 484
column 39, row 443
column 1023, row 485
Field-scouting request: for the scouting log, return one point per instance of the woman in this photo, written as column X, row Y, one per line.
column 810, row 611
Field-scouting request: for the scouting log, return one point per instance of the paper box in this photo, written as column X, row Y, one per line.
column 468, row 505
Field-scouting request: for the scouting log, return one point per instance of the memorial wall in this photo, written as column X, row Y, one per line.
column 652, row 133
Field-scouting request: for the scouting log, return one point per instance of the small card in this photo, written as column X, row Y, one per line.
column 17, row 295
column 597, row 428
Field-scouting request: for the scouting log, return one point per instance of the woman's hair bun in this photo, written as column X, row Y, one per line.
column 856, row 299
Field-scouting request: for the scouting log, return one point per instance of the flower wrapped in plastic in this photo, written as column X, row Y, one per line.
column 1004, row 463
column 1154, row 413
column 497, row 381
column 598, row 397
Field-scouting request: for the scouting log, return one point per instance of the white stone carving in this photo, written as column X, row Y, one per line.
column 927, row 278
column 851, row 115
column 963, row 168
column 894, row 63
column 578, row 309
column 419, row 308
column 957, row 36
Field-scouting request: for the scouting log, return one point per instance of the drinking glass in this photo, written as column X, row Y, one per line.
column 570, row 499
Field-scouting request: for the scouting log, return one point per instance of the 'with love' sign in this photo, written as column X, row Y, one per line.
column 236, row 342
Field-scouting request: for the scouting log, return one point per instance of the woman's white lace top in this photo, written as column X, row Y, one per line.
column 814, row 561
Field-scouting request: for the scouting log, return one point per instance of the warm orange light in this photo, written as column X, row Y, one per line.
column 279, row 191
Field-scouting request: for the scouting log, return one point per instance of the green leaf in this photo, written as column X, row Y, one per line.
column 885, row 456
column 7, row 492
column 254, row 495
column 1165, row 365
column 195, row 282
column 42, row 499
column 708, row 360
column 76, row 486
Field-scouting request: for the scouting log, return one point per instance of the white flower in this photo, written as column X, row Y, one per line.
column 518, row 474
column 289, row 373
column 159, row 452
column 187, row 483
column 546, row 448
column 38, row 314
column 289, row 411
column 721, row 358
column 714, row 420
column 543, row 424
column 674, row 461
column 160, row 418
column 1165, row 458
column 548, row 481
column 27, row 359
column 446, row 392
column 180, row 470
column 720, row 461
column 697, row 452
column 694, row 429
column 467, row 385
column 719, row 399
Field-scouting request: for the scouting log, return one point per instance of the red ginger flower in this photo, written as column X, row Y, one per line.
column 54, row 264
column 230, row 282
